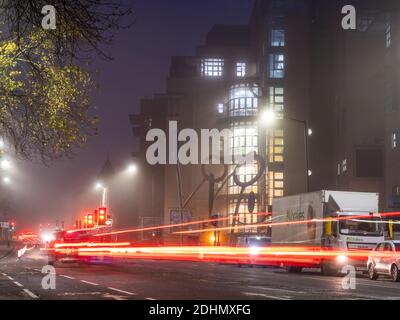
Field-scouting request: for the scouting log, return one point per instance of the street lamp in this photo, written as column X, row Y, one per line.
column 5, row 164
column 132, row 168
column 98, row 185
column 6, row 180
column 268, row 117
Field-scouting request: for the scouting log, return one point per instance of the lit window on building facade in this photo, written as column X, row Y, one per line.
column 394, row 140
column 277, row 101
column 388, row 32
column 243, row 100
column 344, row 166
column 244, row 138
column 364, row 22
column 276, row 66
column 245, row 174
column 220, row 108
column 240, row 69
column 277, row 37
column 212, row 67
column 276, row 155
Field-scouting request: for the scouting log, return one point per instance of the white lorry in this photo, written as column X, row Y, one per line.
column 327, row 220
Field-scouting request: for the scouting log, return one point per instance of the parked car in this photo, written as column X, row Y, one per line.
column 385, row 260
column 252, row 242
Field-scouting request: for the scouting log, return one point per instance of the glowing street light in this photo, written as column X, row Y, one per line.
column 98, row 185
column 132, row 168
column 268, row 117
column 5, row 164
column 6, row 180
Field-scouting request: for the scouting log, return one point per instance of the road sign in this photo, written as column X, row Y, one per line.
column 4, row 225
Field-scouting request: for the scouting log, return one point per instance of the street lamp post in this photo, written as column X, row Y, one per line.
column 269, row 116
column 307, row 133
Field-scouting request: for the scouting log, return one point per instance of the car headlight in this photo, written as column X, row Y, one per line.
column 254, row 251
column 342, row 258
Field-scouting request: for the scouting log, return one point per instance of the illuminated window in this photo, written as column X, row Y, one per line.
column 245, row 218
column 220, row 108
column 276, row 66
column 364, row 22
column 277, row 100
column 240, row 69
column 277, row 37
column 394, row 142
column 339, row 169
column 388, row 33
column 243, row 100
column 212, row 67
column 244, row 138
column 344, row 166
column 245, row 174
column 278, row 193
column 279, row 175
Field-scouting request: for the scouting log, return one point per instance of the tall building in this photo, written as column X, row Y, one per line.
column 325, row 85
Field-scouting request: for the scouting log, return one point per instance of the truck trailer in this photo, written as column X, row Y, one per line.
column 326, row 221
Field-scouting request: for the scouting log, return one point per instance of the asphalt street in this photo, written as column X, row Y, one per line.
column 174, row 280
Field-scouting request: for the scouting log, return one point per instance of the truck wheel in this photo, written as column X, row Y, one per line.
column 294, row 269
column 372, row 273
column 394, row 272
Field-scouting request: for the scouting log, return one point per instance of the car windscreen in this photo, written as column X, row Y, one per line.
column 259, row 242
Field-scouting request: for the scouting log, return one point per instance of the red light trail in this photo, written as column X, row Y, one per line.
column 304, row 256
column 286, row 223
column 382, row 215
column 160, row 227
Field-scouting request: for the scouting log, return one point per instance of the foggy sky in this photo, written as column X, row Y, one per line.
column 141, row 60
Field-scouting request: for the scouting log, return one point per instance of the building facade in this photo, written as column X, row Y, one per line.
column 326, row 87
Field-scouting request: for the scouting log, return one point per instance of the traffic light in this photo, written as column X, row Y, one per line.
column 12, row 226
column 90, row 220
column 85, row 221
column 102, row 216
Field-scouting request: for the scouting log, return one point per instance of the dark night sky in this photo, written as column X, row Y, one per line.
column 141, row 60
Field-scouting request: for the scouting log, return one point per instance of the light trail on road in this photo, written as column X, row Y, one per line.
column 160, row 227
column 269, row 224
column 299, row 256
column 287, row 223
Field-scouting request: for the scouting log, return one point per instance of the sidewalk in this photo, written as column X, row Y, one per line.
column 5, row 249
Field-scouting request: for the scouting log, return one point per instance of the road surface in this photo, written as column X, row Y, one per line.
column 173, row 280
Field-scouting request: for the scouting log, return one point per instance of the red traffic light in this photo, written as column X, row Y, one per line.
column 102, row 216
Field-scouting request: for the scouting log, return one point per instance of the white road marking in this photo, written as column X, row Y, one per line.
column 38, row 270
column 4, row 274
column 115, row 297
column 12, row 279
column 91, row 283
column 122, row 291
column 18, row 284
column 253, row 294
column 276, row 289
column 151, row 299
column 31, row 294
column 68, row 277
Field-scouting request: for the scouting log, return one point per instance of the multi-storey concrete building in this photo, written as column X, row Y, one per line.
column 326, row 86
